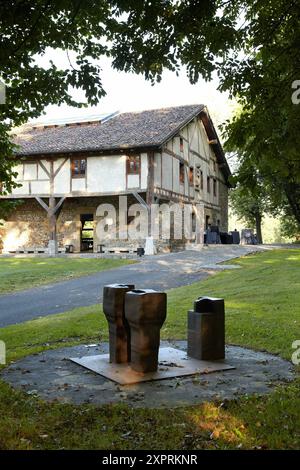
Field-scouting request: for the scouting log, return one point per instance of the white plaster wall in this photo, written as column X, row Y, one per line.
column 176, row 145
column 133, row 181
column 78, row 184
column 62, row 179
column 106, row 174
column 176, row 186
column 19, row 170
column 30, row 171
column 40, row 187
column 157, row 169
column 42, row 175
column 193, row 136
column 170, row 145
column 24, row 189
column 167, row 173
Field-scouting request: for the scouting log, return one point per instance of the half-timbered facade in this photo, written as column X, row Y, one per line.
column 65, row 172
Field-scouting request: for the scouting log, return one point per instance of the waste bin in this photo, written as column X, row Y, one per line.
column 119, row 333
column 235, row 237
column 223, row 237
column 145, row 311
column 206, row 329
column 140, row 251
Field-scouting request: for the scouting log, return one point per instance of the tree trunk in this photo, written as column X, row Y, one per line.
column 258, row 219
column 292, row 192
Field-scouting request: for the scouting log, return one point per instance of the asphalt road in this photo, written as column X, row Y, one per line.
column 159, row 272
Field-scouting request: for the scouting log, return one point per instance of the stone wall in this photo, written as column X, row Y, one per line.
column 28, row 227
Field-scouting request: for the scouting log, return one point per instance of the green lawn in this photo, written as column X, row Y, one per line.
column 22, row 273
column 262, row 312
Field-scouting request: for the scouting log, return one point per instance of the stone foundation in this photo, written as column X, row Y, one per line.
column 28, row 227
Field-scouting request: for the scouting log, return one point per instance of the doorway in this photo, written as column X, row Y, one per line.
column 87, row 233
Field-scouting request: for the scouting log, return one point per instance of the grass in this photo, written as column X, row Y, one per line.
column 262, row 312
column 22, row 273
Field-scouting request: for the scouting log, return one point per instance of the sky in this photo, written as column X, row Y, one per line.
column 130, row 92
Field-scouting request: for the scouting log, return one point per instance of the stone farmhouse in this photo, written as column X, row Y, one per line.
column 155, row 156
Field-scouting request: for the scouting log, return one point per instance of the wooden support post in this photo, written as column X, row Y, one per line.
column 150, row 188
column 52, row 219
column 53, row 210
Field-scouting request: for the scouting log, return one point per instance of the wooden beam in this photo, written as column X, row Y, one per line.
column 44, row 168
column 74, row 194
column 51, row 177
column 150, row 188
column 60, row 167
column 193, row 152
column 173, row 154
column 150, row 179
column 59, row 205
column 52, row 219
column 140, row 200
column 42, row 203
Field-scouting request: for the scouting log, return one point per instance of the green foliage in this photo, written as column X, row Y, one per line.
column 249, row 199
column 264, row 133
column 6, row 207
column 143, row 37
column 289, row 227
column 245, row 206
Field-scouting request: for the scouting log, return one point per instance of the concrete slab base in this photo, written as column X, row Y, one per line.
column 172, row 363
column 53, row 377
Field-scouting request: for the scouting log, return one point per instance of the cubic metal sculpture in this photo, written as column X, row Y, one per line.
column 135, row 318
column 145, row 311
column 119, row 332
column 206, row 329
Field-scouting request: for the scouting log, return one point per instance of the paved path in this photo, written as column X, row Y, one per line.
column 158, row 272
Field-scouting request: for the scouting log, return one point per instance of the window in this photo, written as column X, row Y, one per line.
column 215, row 187
column 201, row 179
column 181, row 173
column 208, row 184
column 78, row 167
column 191, row 176
column 181, row 144
column 214, row 165
column 133, row 165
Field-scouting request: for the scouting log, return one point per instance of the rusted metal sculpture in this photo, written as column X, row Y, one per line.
column 119, row 332
column 145, row 311
column 206, row 329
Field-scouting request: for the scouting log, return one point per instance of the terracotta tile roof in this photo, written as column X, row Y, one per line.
column 127, row 130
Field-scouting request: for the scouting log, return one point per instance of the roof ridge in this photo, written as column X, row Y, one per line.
column 198, row 105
